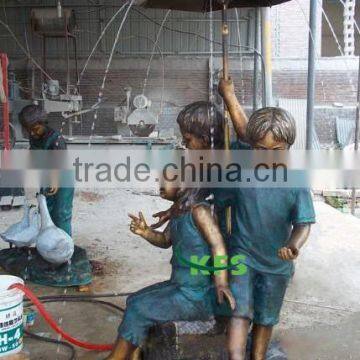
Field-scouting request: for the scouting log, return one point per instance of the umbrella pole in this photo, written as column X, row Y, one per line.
column 225, row 50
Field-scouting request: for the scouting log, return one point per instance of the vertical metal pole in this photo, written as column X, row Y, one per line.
column 267, row 54
column 70, row 127
column 211, row 58
column 32, row 81
column 356, row 145
column 311, row 75
column 44, row 58
column 76, row 60
column 357, row 121
column 6, row 128
column 257, row 42
column 101, row 25
column 67, row 56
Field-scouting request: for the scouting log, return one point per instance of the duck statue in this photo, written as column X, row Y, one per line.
column 52, row 243
column 24, row 233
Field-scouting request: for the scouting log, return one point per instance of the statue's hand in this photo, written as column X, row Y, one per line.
column 226, row 88
column 288, row 253
column 224, row 292
column 163, row 216
column 138, row 225
column 51, row 191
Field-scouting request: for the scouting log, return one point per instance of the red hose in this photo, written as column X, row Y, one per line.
column 83, row 344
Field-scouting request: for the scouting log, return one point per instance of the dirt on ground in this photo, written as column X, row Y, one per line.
column 89, row 196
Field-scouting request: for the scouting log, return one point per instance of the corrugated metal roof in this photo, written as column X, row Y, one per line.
column 297, row 108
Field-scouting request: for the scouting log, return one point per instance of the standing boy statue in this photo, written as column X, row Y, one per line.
column 269, row 226
column 42, row 137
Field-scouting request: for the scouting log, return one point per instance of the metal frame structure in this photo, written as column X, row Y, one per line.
column 313, row 38
column 66, row 33
column 266, row 50
column 257, row 67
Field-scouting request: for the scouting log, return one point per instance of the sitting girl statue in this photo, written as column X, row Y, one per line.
column 192, row 231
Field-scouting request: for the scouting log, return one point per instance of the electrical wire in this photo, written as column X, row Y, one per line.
column 150, row 60
column 4, row 9
column 52, row 341
column 72, row 298
column 99, row 39
column 162, row 61
column 130, row 4
column 102, row 87
column 29, row 56
column 53, row 324
column 86, row 296
column 196, row 34
column 251, row 48
column 79, row 300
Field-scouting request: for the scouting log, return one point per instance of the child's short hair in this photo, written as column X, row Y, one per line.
column 32, row 114
column 196, row 119
column 279, row 121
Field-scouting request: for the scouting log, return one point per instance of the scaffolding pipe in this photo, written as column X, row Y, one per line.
column 67, row 57
column 356, row 143
column 6, row 121
column 311, row 75
column 267, row 54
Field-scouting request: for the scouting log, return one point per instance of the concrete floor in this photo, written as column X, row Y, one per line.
column 320, row 317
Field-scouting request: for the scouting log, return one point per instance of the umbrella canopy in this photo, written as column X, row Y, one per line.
column 204, row 5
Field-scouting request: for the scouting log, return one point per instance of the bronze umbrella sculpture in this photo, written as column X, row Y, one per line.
column 213, row 5
column 205, row 6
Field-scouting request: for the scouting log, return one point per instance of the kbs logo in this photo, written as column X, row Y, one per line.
column 234, row 264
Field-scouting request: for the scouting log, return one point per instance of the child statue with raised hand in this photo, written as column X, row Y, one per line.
column 192, row 231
